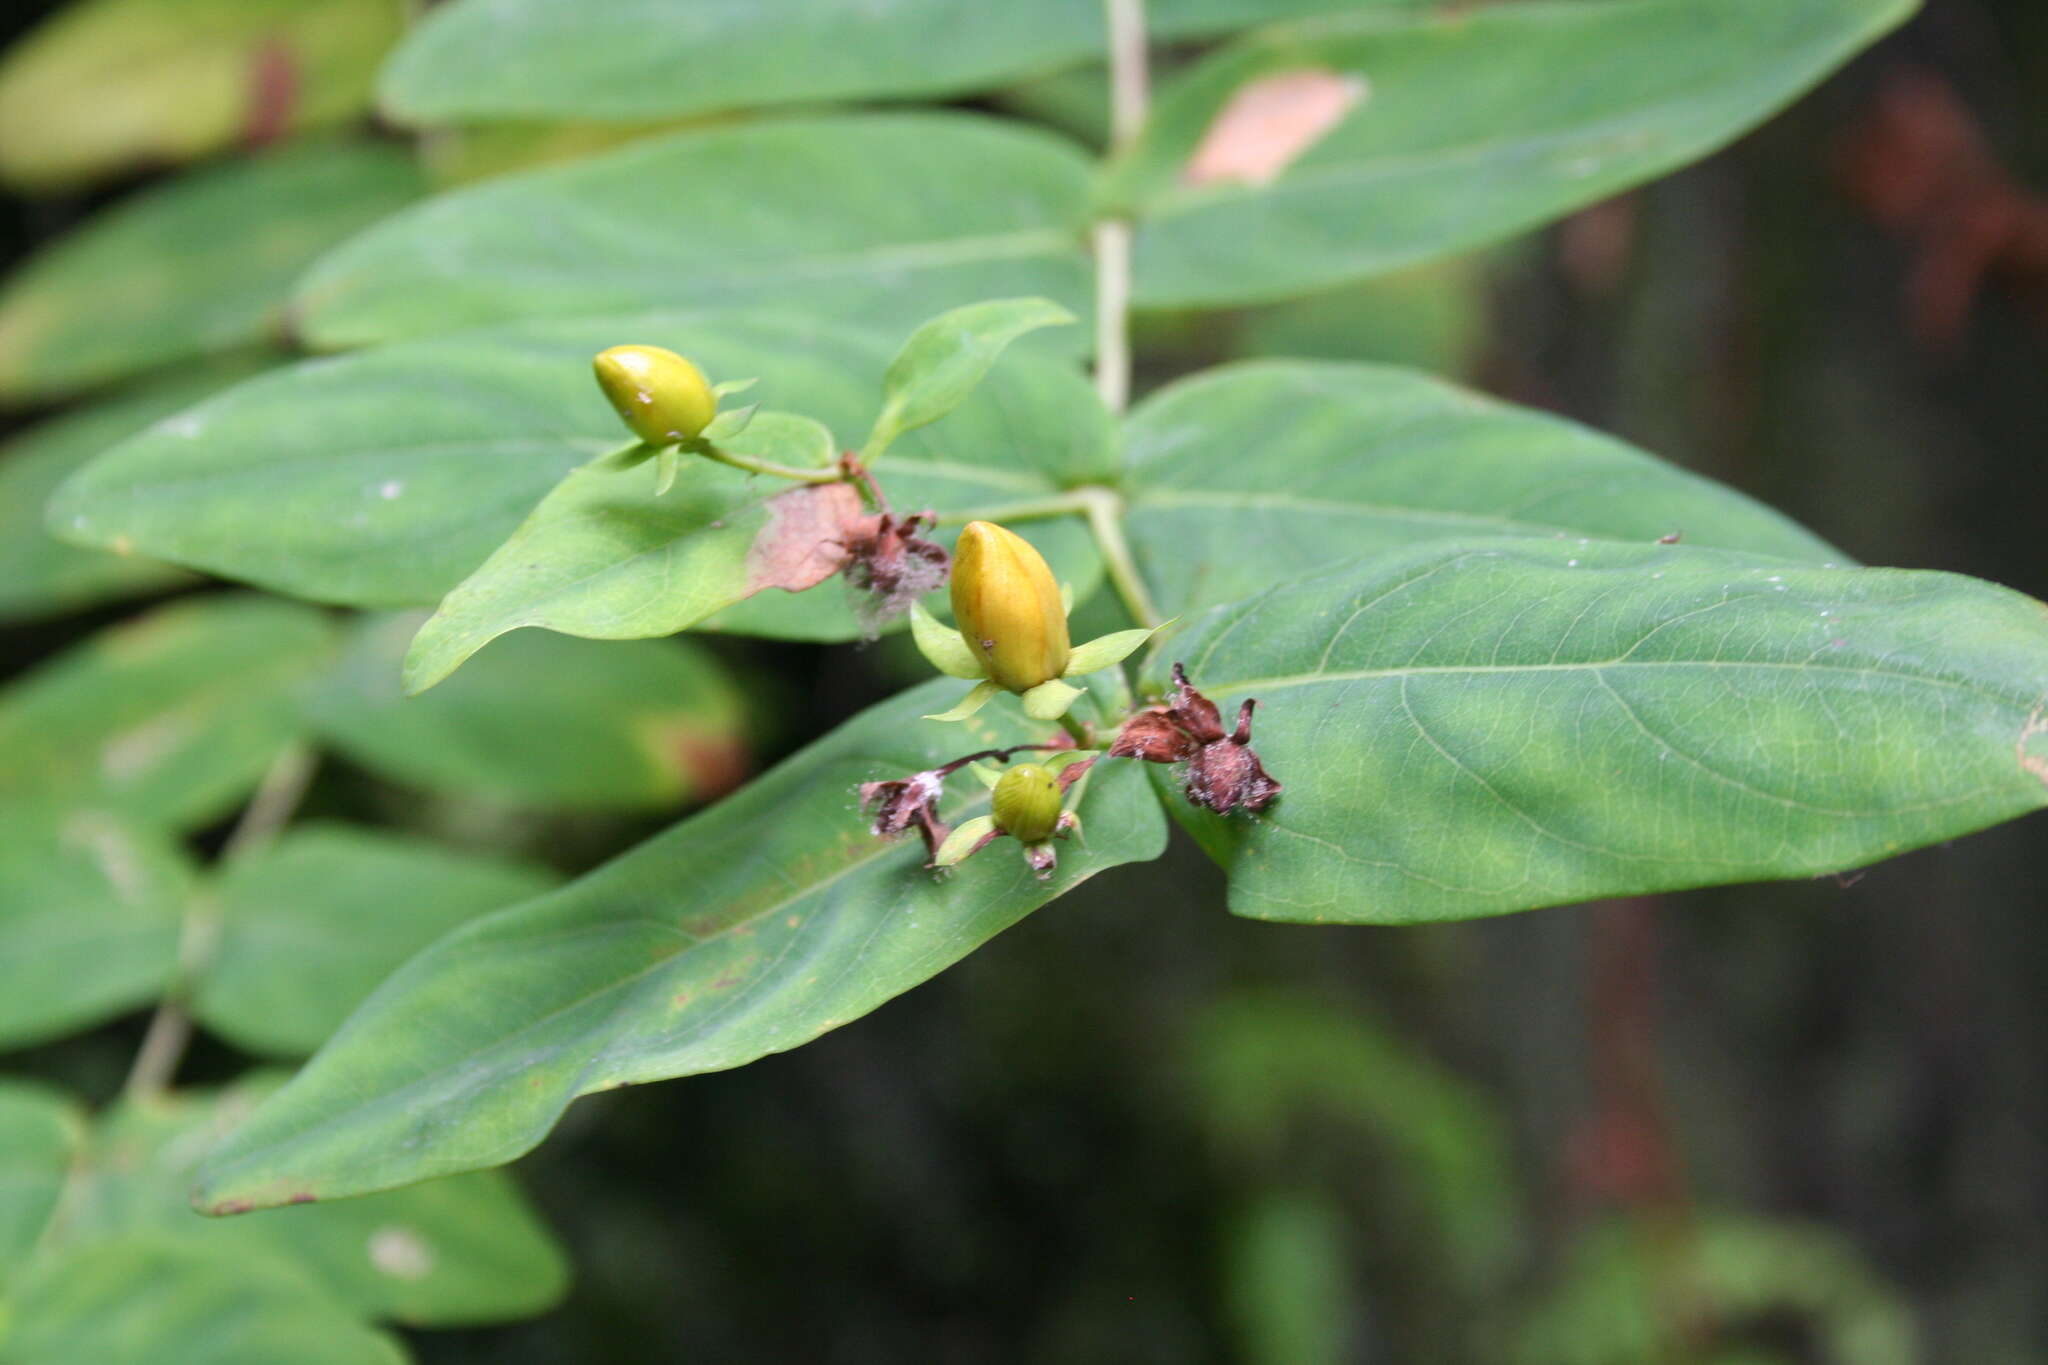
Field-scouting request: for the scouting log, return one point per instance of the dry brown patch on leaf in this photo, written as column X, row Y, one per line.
column 1268, row 125
column 805, row 540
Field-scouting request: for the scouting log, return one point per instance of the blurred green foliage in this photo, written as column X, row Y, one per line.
column 1133, row 1128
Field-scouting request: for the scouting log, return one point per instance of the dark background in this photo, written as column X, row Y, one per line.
column 1041, row 1155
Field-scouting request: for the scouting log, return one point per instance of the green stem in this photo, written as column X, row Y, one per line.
column 170, row 1028
column 1070, row 504
column 1106, row 519
column 1078, row 731
column 1128, row 93
column 754, row 466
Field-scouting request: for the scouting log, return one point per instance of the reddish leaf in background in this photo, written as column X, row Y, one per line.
column 1269, row 123
column 1921, row 165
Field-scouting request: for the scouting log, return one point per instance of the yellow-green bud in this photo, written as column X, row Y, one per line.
column 661, row 396
column 1027, row 804
column 1008, row 607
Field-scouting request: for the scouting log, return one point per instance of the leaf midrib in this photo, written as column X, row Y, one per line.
column 1280, row 682
column 881, row 849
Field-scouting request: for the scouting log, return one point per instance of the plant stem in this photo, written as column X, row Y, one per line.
column 1079, row 731
column 754, row 466
column 1128, row 84
column 1072, row 503
column 1106, row 519
column 263, row 819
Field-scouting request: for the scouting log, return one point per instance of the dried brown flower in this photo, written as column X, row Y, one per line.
column 1223, row 770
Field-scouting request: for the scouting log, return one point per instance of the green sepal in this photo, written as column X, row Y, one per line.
column 963, row 839
column 986, row 773
column 665, row 463
column 972, row 702
column 629, row 456
column 944, row 647
column 1050, row 700
column 726, row 388
column 1113, row 648
column 1067, row 597
column 729, row 423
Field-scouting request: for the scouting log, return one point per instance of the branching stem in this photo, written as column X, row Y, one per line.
column 263, row 819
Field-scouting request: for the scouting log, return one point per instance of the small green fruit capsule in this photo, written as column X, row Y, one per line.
column 1008, row 607
column 660, row 395
column 1027, row 803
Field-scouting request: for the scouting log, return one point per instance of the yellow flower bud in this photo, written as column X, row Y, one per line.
column 1027, row 804
column 660, row 395
column 1008, row 607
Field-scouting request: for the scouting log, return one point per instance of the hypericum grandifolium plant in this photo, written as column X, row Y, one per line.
column 621, row 351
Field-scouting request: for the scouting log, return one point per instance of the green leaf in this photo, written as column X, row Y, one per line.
column 113, row 86
column 311, row 925
column 528, row 58
column 541, row 720
column 961, row 842
column 970, row 703
column 609, row 555
column 383, row 479
column 1050, row 699
column 41, row 1135
column 444, row 1253
column 40, row 575
column 1430, row 317
column 153, row 1300
column 1469, row 729
column 169, row 717
column 946, row 357
column 1113, row 648
column 769, row 919
column 943, row 647
column 884, row 218
column 91, row 908
column 1388, row 172
column 197, row 266
column 1255, row 473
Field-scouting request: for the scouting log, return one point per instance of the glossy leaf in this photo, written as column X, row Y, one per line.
column 91, row 908
column 610, row 555
column 170, row 717
column 1429, row 317
column 39, row 574
column 1230, row 214
column 383, row 479
column 1252, row 474
column 444, row 1253
column 527, row 58
column 885, row 219
column 946, row 357
column 41, row 1134
column 151, row 1300
column 112, row 86
column 311, row 925
column 1470, row 729
column 540, row 720
column 752, row 928
column 198, row 266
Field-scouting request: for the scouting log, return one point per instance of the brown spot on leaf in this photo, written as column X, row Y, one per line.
column 712, row 764
column 1269, row 123
column 2033, row 756
column 804, row 542
column 273, row 94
